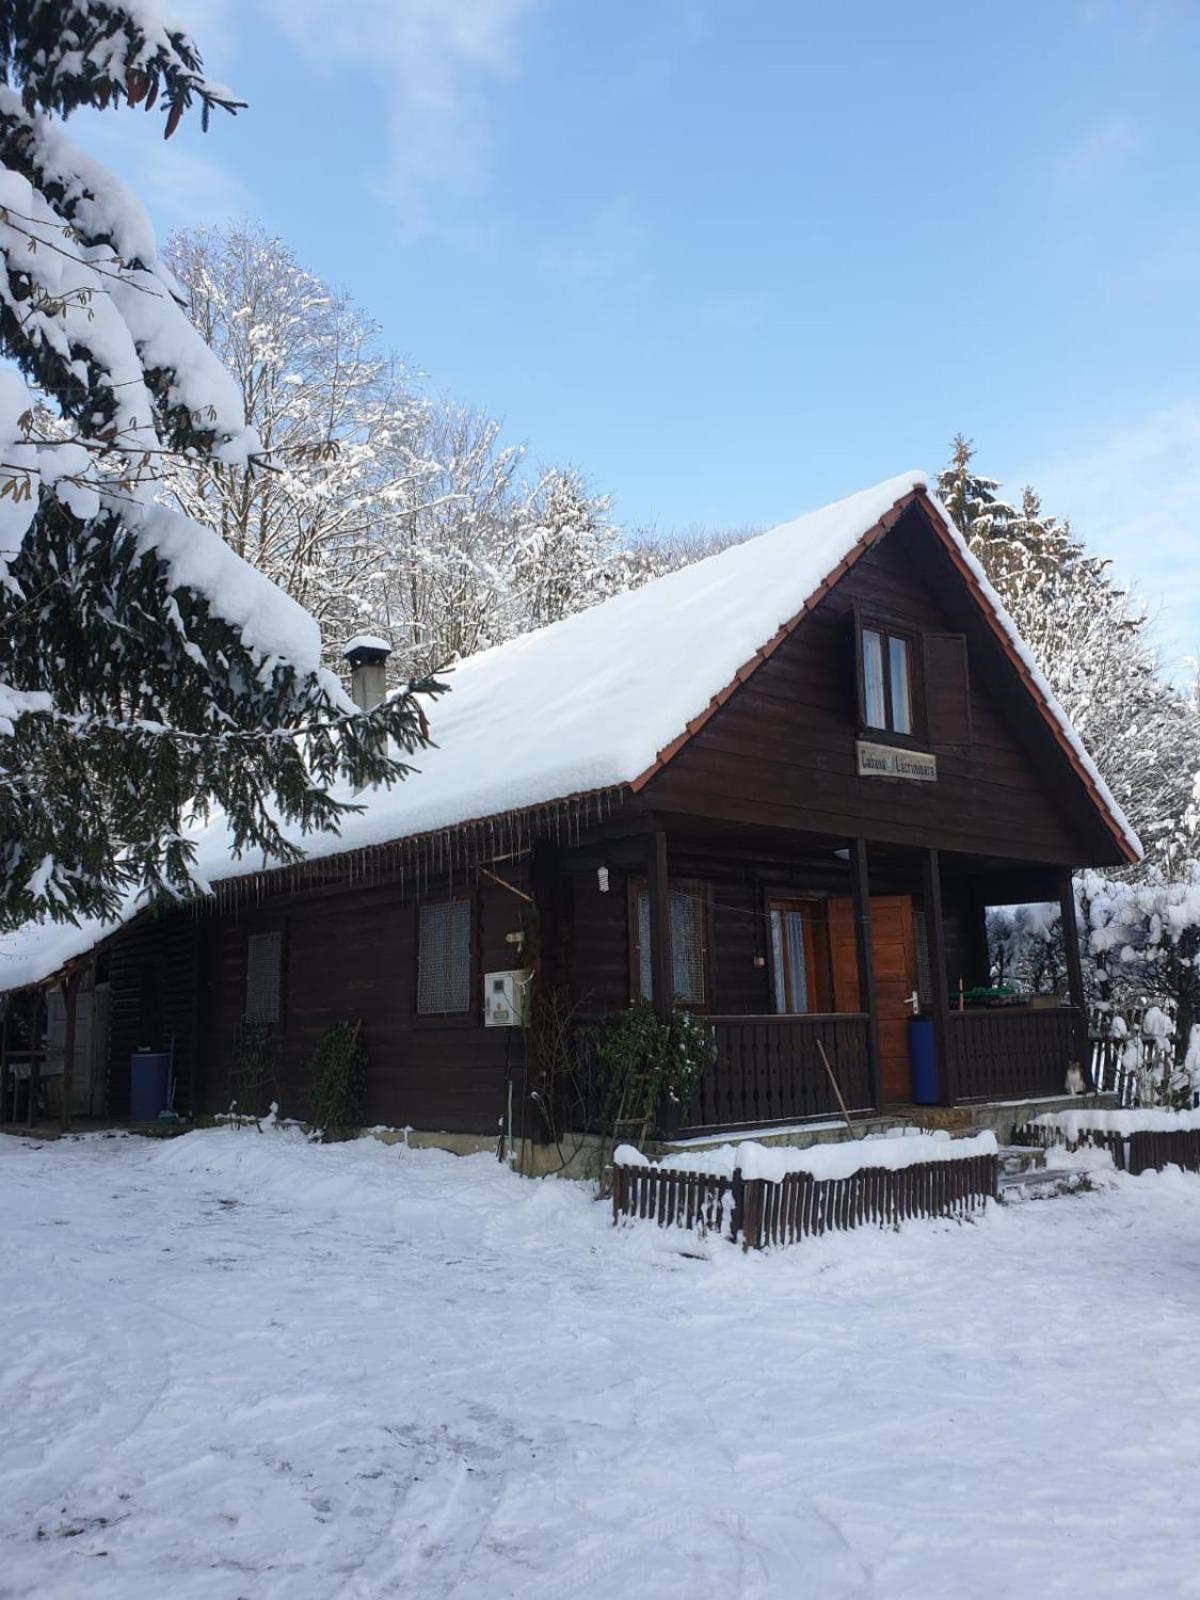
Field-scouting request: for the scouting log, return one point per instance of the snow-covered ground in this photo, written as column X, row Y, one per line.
column 233, row 1365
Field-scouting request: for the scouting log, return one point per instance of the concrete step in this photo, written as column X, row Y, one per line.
column 1039, row 1183
column 1016, row 1158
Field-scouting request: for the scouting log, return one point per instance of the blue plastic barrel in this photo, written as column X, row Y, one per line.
column 922, row 1053
column 149, row 1084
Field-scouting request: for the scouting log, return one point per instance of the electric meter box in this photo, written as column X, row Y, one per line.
column 506, row 998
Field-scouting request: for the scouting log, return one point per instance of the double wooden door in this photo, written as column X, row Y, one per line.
column 894, row 963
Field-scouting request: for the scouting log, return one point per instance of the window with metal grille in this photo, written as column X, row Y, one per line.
column 264, row 975
column 687, row 947
column 444, row 958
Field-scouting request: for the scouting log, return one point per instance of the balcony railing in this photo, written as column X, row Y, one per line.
column 768, row 1069
column 1009, row 1053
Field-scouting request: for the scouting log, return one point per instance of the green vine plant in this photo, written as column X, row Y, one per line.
column 254, row 1076
column 337, row 1082
column 643, row 1061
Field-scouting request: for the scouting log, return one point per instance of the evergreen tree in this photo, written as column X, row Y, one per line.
column 566, row 553
column 147, row 675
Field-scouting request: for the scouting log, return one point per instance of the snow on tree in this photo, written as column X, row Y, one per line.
column 567, row 555
column 1090, row 640
column 1142, row 940
column 445, row 576
column 341, row 418
column 147, row 674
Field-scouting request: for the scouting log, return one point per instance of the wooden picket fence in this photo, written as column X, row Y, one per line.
column 763, row 1213
column 1143, row 1151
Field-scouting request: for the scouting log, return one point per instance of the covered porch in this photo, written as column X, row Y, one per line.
column 876, row 982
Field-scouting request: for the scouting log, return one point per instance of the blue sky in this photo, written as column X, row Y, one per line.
column 735, row 260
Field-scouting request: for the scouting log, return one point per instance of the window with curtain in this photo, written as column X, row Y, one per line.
column 887, row 691
column 789, row 958
column 444, row 958
column 687, row 947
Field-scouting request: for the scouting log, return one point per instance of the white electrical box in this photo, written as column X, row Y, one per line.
column 506, row 998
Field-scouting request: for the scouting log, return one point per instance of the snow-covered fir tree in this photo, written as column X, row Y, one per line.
column 147, row 674
column 567, row 553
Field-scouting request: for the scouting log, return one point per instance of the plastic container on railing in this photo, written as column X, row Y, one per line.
column 922, row 1053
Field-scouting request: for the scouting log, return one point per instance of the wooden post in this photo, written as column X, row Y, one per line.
column 662, row 967
column 860, row 900
column 70, row 989
column 34, row 1080
column 935, row 938
column 5, row 1001
column 662, row 983
column 1070, row 927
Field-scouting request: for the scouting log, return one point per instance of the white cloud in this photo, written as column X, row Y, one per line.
column 1100, row 151
column 435, row 60
column 1134, row 494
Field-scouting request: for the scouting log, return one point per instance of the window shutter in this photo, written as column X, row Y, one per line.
column 947, row 689
column 444, row 958
column 264, row 963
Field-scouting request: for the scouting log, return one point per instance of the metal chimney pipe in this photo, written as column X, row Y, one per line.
column 368, row 669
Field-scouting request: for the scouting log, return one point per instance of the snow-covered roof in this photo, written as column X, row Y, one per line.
column 591, row 702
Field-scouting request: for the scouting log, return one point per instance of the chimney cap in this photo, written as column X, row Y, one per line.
column 366, row 650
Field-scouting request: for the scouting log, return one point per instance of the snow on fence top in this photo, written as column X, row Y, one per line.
column 588, row 703
column 773, row 1163
column 1136, row 1120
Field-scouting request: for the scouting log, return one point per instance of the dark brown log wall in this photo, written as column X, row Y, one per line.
column 352, row 956
column 781, row 750
column 152, row 972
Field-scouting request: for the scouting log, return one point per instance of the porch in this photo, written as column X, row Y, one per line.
column 886, row 935
column 776, row 1070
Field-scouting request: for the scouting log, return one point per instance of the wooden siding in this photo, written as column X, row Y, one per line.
column 780, row 752
column 352, row 957
column 152, row 974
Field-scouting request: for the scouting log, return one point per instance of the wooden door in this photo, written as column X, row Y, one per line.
column 895, row 967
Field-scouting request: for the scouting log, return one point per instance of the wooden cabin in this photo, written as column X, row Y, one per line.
column 780, row 787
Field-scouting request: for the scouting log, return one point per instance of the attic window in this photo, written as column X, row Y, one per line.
column 264, row 973
column 885, row 677
column 444, row 958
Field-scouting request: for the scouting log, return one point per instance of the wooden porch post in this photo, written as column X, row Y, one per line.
column 662, row 969
column 935, row 938
column 5, row 1080
column 1075, row 993
column 70, row 989
column 661, row 966
column 35, row 1066
column 860, row 901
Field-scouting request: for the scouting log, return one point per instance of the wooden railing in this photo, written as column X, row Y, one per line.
column 768, row 1069
column 1009, row 1053
column 1141, row 1150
